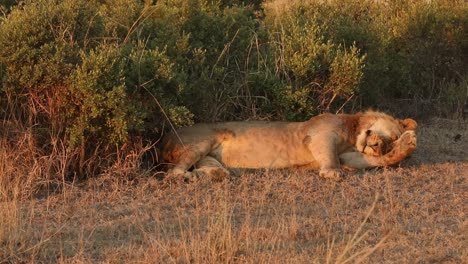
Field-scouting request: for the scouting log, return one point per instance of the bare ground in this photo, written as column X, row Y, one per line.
column 415, row 213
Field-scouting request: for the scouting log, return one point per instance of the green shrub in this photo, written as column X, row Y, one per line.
column 40, row 43
column 314, row 68
column 97, row 108
column 427, row 45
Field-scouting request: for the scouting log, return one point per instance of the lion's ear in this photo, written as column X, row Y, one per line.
column 409, row 124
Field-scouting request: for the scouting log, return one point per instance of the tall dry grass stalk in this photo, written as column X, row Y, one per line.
column 27, row 167
column 346, row 256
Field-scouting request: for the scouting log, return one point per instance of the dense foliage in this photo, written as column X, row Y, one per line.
column 88, row 76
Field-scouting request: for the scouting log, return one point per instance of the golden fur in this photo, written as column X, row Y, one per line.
column 324, row 142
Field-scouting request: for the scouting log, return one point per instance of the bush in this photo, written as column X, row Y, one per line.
column 427, row 46
column 40, row 43
column 315, row 69
column 98, row 111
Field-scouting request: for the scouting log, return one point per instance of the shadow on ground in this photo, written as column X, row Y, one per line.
column 440, row 141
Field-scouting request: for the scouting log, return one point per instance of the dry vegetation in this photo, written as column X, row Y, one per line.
column 411, row 214
column 83, row 83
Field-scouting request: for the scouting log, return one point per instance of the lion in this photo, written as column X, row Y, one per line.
column 327, row 142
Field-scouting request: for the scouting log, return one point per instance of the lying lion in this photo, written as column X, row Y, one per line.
column 325, row 142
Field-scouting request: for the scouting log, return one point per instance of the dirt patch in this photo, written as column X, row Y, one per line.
column 408, row 214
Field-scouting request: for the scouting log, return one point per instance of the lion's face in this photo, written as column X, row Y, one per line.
column 379, row 132
column 375, row 145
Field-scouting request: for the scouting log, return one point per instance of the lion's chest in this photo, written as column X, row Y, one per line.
column 262, row 149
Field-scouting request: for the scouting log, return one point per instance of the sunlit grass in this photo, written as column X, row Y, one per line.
column 408, row 214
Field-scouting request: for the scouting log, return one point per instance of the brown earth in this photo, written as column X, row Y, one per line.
column 414, row 213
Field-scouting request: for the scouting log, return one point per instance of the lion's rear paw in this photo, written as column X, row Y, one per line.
column 178, row 175
column 215, row 174
column 332, row 174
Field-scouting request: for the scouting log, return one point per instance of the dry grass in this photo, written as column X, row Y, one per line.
column 263, row 217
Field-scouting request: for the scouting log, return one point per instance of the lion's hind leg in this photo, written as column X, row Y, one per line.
column 191, row 155
column 212, row 168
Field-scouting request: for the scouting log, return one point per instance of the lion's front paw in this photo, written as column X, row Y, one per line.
column 332, row 174
column 407, row 142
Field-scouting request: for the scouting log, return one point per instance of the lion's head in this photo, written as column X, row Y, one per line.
column 377, row 132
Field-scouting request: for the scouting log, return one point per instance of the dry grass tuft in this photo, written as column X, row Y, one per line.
column 413, row 213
